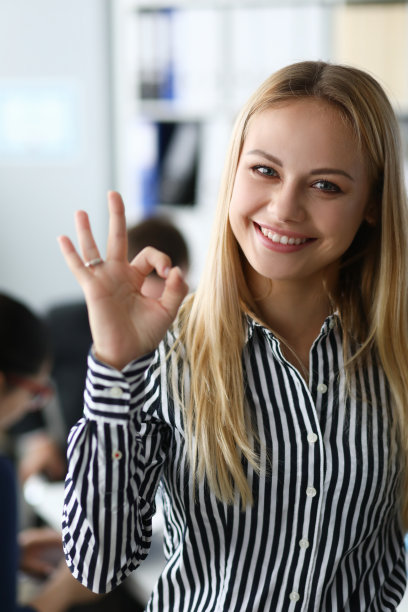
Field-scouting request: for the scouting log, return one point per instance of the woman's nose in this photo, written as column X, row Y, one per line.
column 287, row 203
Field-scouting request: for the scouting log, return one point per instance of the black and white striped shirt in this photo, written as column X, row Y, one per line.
column 323, row 533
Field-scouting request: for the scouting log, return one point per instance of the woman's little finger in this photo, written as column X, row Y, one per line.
column 72, row 259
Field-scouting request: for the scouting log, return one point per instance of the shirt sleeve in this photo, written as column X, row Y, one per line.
column 115, row 458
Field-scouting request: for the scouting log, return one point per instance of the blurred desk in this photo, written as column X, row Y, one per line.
column 46, row 499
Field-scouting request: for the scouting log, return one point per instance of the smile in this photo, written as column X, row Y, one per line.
column 281, row 238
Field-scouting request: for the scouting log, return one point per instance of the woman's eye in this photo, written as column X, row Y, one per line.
column 265, row 170
column 326, row 186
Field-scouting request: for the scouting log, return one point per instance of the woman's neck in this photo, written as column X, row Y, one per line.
column 295, row 312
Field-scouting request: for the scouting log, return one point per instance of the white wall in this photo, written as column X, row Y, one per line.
column 59, row 46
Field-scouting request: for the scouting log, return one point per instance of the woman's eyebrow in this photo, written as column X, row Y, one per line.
column 332, row 171
column 317, row 171
column 266, row 155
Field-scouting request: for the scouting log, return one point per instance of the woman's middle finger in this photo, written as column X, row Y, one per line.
column 117, row 237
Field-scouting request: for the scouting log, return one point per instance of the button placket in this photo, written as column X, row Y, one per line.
column 304, row 548
column 304, row 545
column 312, row 489
column 311, row 528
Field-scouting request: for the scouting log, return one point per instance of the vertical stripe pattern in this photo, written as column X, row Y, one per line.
column 323, row 532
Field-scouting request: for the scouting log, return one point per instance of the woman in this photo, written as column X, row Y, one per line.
column 273, row 411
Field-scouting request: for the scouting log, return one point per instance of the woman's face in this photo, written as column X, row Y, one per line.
column 23, row 394
column 300, row 193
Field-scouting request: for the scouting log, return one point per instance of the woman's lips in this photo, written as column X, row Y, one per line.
column 280, row 239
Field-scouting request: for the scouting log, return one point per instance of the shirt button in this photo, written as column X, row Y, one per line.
column 116, row 454
column 116, row 392
column 303, row 543
column 312, row 438
column 311, row 492
column 322, row 388
column 294, row 596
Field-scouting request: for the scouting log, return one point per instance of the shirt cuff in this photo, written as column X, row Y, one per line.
column 108, row 391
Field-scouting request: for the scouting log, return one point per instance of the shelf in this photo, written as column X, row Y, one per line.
column 223, row 4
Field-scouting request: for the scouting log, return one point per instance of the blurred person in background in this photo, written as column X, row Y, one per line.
column 25, row 364
column 162, row 234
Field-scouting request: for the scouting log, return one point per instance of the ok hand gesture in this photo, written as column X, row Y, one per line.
column 124, row 323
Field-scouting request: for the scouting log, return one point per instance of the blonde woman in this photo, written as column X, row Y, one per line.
column 270, row 407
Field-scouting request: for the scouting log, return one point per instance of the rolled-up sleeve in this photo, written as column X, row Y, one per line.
column 115, row 458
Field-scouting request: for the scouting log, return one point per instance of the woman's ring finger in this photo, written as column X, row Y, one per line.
column 93, row 262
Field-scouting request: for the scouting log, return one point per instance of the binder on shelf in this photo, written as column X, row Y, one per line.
column 156, row 73
column 169, row 160
column 178, row 162
column 179, row 56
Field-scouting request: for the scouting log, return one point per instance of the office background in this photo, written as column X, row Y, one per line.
column 140, row 96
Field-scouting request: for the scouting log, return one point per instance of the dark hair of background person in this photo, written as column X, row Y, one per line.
column 71, row 340
column 24, row 344
column 160, row 233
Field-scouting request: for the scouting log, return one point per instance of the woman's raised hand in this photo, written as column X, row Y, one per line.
column 124, row 323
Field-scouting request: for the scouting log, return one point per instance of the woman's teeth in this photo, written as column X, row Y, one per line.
column 282, row 239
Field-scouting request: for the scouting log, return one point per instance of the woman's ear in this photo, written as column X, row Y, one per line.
column 371, row 216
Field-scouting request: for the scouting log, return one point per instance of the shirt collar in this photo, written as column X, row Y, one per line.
column 252, row 323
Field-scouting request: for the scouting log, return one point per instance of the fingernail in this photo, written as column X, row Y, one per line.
column 166, row 272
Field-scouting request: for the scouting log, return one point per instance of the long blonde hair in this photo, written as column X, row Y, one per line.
column 372, row 293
